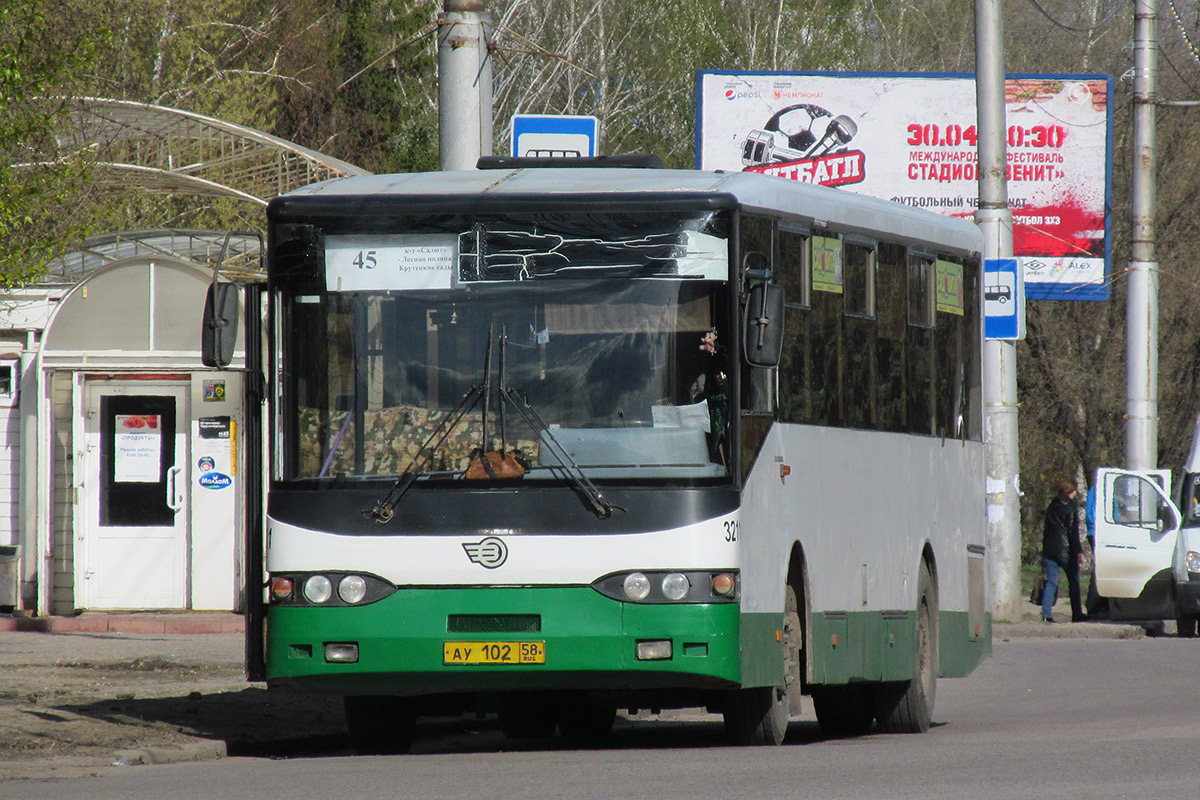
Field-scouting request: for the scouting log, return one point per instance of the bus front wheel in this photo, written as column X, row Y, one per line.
column 380, row 726
column 760, row 715
column 757, row 716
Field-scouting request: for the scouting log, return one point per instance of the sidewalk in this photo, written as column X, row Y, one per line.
column 181, row 622
column 1031, row 626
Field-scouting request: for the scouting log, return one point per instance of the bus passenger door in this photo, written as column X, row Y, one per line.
column 1136, row 529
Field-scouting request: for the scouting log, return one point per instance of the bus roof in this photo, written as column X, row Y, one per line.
column 841, row 208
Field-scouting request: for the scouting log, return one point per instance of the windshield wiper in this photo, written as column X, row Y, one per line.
column 384, row 509
column 595, row 497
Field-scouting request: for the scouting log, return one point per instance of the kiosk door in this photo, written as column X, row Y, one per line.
column 134, row 536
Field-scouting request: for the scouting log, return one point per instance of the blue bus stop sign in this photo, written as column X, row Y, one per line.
column 1003, row 299
column 554, row 135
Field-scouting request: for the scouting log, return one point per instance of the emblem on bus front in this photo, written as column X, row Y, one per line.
column 488, row 553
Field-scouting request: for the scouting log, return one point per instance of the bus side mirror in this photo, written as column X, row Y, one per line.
column 762, row 325
column 218, row 334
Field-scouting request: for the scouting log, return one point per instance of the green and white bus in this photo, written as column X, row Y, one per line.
column 552, row 442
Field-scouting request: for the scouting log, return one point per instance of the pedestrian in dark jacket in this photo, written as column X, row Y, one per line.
column 1062, row 550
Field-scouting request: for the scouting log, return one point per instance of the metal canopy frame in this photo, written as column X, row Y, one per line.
column 161, row 150
column 199, row 246
column 170, row 151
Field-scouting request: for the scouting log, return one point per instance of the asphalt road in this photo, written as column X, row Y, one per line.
column 1044, row 718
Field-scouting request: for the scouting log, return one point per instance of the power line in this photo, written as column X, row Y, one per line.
column 1073, row 29
column 421, row 34
column 1178, row 74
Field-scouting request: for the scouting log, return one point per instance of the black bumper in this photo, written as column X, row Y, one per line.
column 1187, row 597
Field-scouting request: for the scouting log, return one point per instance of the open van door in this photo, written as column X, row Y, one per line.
column 1137, row 527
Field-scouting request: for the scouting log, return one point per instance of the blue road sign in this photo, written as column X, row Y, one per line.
column 1003, row 299
column 554, row 136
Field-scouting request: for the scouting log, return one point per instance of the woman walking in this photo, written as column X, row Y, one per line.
column 1061, row 549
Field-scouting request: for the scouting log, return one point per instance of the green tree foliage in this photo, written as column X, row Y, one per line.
column 369, row 89
column 214, row 57
column 224, row 58
column 39, row 187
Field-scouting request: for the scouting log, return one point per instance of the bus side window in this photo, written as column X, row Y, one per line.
column 920, row 345
column 758, row 388
column 891, row 309
column 859, row 335
column 826, row 340
column 794, row 271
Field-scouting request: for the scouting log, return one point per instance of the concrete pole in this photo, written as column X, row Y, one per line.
column 999, row 357
column 1141, row 304
column 464, row 84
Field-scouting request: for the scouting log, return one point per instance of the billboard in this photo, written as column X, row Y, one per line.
column 911, row 139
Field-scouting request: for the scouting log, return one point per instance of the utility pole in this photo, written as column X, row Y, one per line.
column 1141, row 304
column 999, row 356
column 464, row 84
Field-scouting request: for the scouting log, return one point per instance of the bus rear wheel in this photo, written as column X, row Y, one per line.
column 907, row 707
column 380, row 726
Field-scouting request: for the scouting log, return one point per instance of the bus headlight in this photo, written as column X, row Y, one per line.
column 1192, row 561
column 328, row 588
column 675, row 586
column 352, row 589
column 637, row 586
column 318, row 589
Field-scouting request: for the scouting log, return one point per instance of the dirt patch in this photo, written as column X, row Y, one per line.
column 90, row 710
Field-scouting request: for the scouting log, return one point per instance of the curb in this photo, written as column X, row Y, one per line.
column 182, row 624
column 197, row 751
column 1066, row 630
column 1029, row 625
column 210, row 750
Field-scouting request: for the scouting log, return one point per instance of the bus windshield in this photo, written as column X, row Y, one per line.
column 629, row 375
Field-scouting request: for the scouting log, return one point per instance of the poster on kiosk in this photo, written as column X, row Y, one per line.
column 911, row 139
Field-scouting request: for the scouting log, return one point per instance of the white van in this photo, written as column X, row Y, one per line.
column 1147, row 550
